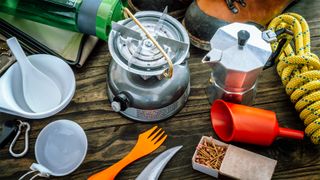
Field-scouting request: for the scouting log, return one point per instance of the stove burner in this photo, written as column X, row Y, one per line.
column 136, row 53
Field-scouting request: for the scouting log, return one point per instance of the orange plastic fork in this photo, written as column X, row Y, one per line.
column 147, row 143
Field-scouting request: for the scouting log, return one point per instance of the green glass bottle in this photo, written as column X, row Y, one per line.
column 92, row 17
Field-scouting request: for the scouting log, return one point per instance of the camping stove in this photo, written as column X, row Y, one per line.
column 138, row 83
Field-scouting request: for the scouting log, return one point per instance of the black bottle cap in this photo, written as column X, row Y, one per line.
column 243, row 37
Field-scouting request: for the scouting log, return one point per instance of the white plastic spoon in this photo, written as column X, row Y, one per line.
column 40, row 92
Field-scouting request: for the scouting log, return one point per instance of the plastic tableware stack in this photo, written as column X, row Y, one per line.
column 60, row 149
column 12, row 96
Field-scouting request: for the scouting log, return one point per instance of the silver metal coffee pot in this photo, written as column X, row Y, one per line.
column 237, row 57
column 137, row 87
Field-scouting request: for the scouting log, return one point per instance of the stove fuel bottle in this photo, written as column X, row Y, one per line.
column 91, row 17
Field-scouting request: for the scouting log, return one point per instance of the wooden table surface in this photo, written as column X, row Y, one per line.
column 112, row 136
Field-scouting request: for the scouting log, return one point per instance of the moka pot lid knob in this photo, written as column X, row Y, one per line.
column 243, row 37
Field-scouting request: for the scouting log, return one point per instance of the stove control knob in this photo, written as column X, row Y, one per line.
column 116, row 106
column 120, row 102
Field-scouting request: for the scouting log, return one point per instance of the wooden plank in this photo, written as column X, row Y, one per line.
column 112, row 136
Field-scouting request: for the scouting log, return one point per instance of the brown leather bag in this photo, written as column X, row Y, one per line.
column 204, row 17
column 176, row 8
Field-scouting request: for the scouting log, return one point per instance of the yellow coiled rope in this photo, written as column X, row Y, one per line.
column 299, row 70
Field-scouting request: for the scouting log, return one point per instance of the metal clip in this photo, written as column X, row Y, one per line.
column 26, row 140
column 232, row 7
column 269, row 36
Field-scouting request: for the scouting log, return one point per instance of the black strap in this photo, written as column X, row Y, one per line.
column 7, row 131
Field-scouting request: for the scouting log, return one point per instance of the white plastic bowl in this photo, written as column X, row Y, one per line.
column 54, row 67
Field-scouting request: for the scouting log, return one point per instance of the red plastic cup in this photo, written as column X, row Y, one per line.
column 239, row 123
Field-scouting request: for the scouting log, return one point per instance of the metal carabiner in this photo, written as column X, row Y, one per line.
column 26, row 140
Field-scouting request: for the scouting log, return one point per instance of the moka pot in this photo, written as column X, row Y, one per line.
column 237, row 57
